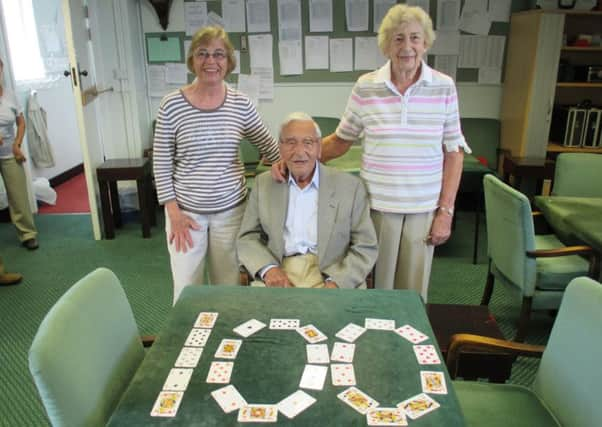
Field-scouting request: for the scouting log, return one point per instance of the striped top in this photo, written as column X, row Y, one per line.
column 196, row 157
column 403, row 137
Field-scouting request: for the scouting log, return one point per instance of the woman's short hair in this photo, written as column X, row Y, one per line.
column 404, row 14
column 299, row 116
column 205, row 36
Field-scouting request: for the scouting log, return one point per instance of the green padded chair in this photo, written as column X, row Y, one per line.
column 86, row 351
column 540, row 266
column 578, row 175
column 565, row 390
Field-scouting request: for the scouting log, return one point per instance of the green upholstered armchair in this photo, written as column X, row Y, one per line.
column 86, row 351
column 565, row 390
column 578, row 175
column 539, row 265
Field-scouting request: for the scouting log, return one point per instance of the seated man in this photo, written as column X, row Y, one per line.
column 315, row 230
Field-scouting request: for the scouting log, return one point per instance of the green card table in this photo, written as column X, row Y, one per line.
column 269, row 364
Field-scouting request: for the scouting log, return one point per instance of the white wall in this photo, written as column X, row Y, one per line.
column 324, row 99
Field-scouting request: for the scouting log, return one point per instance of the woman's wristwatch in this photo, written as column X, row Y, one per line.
column 447, row 210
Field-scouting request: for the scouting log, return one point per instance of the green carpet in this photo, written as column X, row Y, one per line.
column 68, row 252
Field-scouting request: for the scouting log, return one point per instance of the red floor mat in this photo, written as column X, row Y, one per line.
column 71, row 197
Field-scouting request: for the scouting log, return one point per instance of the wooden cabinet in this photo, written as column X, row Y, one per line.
column 536, row 45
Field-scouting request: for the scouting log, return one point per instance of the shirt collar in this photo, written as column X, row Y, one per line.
column 383, row 74
column 315, row 180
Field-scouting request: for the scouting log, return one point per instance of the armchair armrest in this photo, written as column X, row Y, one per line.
column 568, row 250
column 147, row 340
column 245, row 277
column 465, row 342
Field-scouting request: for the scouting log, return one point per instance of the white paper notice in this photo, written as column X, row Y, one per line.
column 195, row 15
column 499, row 10
column 291, row 58
column 448, row 14
column 380, row 9
column 481, row 51
column 424, row 4
column 249, row 85
column 289, row 20
column 215, row 20
column 356, row 14
column 447, row 64
column 367, row 54
column 260, row 48
column 187, row 44
column 475, row 18
column 233, row 14
column 320, row 15
column 156, row 80
column 341, row 55
column 258, row 16
column 490, row 75
column 236, row 69
column 446, row 43
column 266, row 82
column 316, row 52
column 176, row 73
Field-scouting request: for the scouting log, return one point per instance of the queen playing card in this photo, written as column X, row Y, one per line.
column 258, row 414
column 419, row 405
column 228, row 349
column 358, row 400
column 312, row 334
column 433, row 382
column 167, row 404
column 386, row 417
column 205, row 320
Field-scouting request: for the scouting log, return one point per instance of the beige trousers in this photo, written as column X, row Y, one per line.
column 404, row 256
column 15, row 182
column 303, row 271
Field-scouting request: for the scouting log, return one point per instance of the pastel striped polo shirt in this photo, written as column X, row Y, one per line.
column 403, row 137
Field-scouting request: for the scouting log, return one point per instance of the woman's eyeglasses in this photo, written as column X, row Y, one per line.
column 218, row 55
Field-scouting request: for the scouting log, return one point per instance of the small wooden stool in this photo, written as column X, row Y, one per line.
column 115, row 170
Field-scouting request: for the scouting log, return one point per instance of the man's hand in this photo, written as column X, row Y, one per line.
column 330, row 284
column 276, row 278
column 19, row 156
column 279, row 171
column 180, row 229
column 441, row 228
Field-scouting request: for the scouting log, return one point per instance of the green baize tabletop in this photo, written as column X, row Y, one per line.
column 269, row 364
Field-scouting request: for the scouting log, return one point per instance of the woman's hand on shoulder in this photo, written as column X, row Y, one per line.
column 279, row 171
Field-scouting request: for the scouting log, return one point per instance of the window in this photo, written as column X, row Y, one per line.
column 22, row 34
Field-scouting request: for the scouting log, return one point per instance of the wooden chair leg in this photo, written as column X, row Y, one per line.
column 245, row 280
column 525, row 314
column 488, row 286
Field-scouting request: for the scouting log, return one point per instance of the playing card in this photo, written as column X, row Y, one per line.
column 197, row 337
column 258, row 414
column 411, row 334
column 433, row 382
column 167, row 404
column 228, row 349
column 358, row 400
column 249, row 328
column 228, row 398
column 386, row 417
column 284, row 323
column 189, row 357
column 351, row 332
column 177, row 380
column 205, row 320
column 220, row 372
column 317, row 353
column 427, row 355
column 296, row 403
column 342, row 374
column 417, row 406
column 312, row 334
column 313, row 377
column 342, row 352
column 382, row 324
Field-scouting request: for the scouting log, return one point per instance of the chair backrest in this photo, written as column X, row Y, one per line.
column 86, row 351
column 510, row 232
column 569, row 374
column 327, row 124
column 578, row 175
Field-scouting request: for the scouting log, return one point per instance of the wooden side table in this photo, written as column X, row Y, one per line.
column 115, row 170
column 520, row 167
column 450, row 319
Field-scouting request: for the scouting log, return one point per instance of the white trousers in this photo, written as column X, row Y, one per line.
column 214, row 241
column 404, row 256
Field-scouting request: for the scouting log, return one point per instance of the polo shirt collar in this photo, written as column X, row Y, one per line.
column 383, row 74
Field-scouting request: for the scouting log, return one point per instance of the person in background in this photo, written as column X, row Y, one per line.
column 198, row 172
column 406, row 115
column 7, row 279
column 11, row 165
column 314, row 232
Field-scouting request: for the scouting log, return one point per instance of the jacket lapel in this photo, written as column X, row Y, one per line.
column 279, row 196
column 327, row 209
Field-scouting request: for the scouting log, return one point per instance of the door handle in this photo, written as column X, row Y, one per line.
column 83, row 73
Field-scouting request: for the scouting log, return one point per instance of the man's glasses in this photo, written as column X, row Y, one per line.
column 292, row 142
column 218, row 55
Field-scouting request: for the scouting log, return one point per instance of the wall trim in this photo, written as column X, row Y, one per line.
column 67, row 175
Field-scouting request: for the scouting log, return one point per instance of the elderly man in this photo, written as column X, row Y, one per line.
column 314, row 232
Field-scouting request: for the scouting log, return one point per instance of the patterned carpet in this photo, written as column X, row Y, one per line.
column 68, row 252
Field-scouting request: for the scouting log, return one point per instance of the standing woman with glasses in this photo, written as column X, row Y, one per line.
column 198, row 172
